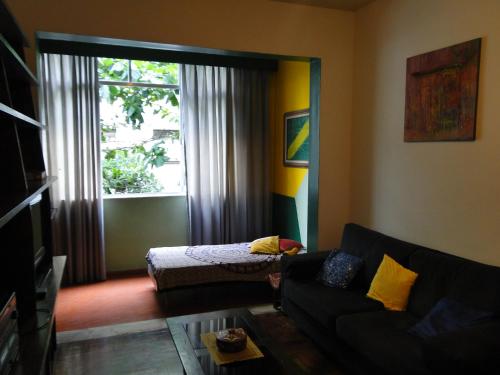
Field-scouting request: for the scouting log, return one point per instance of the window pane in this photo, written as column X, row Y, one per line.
column 155, row 72
column 113, row 69
column 140, row 145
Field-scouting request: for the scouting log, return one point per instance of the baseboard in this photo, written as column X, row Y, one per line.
column 126, row 273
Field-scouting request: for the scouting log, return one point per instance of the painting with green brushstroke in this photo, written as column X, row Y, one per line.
column 296, row 140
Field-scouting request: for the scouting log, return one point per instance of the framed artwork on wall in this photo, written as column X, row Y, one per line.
column 441, row 94
column 296, row 140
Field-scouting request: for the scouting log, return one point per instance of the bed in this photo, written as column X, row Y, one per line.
column 181, row 266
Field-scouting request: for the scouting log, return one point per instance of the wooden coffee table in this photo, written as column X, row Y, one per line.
column 196, row 360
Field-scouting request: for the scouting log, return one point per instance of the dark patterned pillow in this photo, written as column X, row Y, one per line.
column 339, row 268
column 449, row 315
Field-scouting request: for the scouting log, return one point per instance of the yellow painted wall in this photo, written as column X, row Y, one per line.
column 446, row 194
column 243, row 25
column 292, row 94
column 290, row 91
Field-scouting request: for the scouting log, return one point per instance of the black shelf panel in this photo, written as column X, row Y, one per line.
column 11, row 58
column 34, row 345
column 22, row 226
column 12, row 204
column 19, row 116
column 9, row 27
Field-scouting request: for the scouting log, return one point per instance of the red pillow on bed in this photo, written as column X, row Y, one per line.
column 286, row 244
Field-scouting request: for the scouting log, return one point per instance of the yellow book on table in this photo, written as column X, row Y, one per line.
column 220, row 358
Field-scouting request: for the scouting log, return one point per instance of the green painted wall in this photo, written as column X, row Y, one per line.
column 285, row 221
column 133, row 225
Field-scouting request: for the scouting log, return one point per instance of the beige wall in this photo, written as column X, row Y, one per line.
column 444, row 195
column 248, row 25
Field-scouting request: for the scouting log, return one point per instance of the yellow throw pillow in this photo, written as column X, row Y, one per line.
column 266, row 245
column 392, row 284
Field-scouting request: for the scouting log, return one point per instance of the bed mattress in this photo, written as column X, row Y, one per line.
column 172, row 267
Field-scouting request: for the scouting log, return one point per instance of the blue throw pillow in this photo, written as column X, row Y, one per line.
column 339, row 268
column 447, row 316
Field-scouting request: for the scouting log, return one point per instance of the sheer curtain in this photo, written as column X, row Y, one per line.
column 71, row 114
column 224, row 115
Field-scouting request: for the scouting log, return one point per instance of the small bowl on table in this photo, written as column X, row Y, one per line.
column 231, row 340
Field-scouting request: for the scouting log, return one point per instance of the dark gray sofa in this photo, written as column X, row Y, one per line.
column 365, row 338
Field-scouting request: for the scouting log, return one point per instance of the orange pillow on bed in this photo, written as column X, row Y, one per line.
column 292, row 251
column 287, row 244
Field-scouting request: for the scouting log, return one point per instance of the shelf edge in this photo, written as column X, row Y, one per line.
column 24, row 202
column 26, row 71
column 19, row 116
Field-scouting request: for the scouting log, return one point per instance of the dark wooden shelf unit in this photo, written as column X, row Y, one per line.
column 38, row 344
column 10, row 29
column 13, row 60
column 13, row 204
column 27, row 265
column 16, row 115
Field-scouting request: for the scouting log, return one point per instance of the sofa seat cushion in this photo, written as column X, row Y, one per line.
column 324, row 304
column 382, row 338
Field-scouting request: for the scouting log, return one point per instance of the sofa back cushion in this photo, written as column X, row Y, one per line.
column 356, row 239
column 398, row 250
column 442, row 275
column 371, row 247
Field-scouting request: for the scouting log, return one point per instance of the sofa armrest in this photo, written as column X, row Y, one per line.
column 302, row 266
column 473, row 350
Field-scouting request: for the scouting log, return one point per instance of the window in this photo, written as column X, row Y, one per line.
column 140, row 133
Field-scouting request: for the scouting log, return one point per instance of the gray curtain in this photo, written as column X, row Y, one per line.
column 71, row 112
column 224, row 116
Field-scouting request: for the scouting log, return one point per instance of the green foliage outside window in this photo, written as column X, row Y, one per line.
column 127, row 172
column 129, row 169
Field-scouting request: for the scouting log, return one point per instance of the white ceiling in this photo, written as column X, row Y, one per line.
column 335, row 4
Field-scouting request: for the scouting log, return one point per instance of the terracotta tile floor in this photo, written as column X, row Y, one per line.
column 120, row 300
